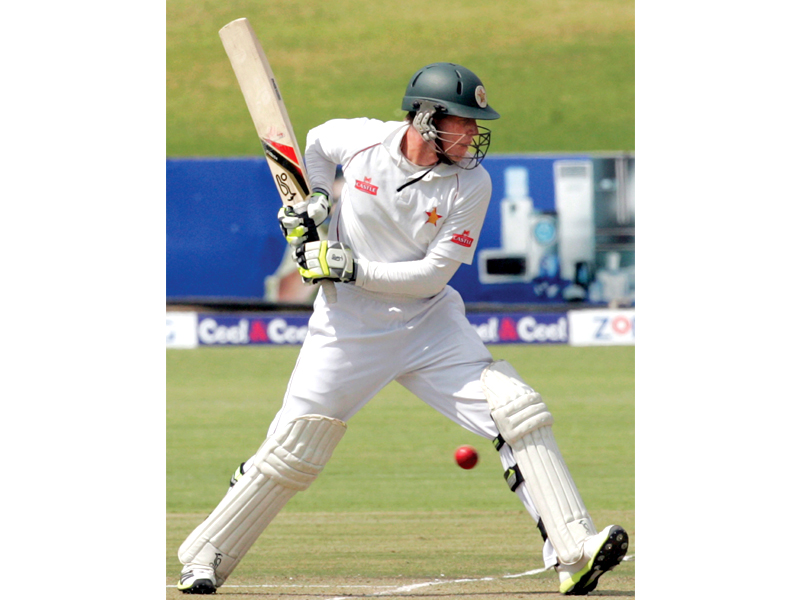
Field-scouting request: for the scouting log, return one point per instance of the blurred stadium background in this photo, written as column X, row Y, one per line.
column 560, row 232
column 552, row 287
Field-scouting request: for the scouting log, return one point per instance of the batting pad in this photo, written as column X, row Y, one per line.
column 286, row 463
column 525, row 424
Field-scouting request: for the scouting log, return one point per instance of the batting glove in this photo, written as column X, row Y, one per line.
column 299, row 222
column 318, row 261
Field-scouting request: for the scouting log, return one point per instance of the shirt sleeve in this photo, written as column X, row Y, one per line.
column 416, row 279
column 458, row 237
column 333, row 143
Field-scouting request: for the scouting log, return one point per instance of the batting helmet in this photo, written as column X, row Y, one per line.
column 455, row 90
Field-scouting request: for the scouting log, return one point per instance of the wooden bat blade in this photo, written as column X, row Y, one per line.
column 286, row 168
column 265, row 104
column 266, row 107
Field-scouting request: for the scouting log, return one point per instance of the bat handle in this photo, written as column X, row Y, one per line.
column 329, row 288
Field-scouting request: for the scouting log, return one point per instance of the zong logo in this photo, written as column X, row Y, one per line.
column 607, row 328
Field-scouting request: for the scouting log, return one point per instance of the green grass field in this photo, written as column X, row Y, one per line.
column 560, row 72
column 392, row 509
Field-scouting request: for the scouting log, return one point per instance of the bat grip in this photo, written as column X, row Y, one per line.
column 329, row 288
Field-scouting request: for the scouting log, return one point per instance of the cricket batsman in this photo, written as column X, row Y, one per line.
column 411, row 210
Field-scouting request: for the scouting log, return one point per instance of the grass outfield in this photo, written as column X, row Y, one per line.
column 561, row 73
column 392, row 512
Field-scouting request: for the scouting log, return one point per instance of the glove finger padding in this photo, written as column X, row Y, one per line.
column 325, row 260
column 297, row 228
column 299, row 222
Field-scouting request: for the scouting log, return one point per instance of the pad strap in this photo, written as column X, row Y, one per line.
column 513, row 477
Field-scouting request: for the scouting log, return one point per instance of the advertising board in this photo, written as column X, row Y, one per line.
column 601, row 327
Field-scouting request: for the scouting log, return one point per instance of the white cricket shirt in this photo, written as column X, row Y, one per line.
column 441, row 214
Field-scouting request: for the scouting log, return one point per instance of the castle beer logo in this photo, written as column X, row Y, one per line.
column 463, row 239
column 366, row 186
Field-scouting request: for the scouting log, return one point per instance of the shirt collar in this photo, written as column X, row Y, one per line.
column 392, row 145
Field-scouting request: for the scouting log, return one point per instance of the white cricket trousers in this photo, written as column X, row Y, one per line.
column 359, row 345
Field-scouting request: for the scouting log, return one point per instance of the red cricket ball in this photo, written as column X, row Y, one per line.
column 466, row 457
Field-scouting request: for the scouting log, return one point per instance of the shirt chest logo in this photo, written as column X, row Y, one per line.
column 433, row 216
column 367, row 186
column 463, row 239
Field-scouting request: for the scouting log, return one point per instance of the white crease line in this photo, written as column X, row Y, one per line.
column 394, row 590
column 417, row 586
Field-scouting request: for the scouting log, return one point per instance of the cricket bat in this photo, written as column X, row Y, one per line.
column 268, row 111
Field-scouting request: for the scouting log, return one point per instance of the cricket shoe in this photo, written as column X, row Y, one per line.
column 601, row 553
column 197, row 579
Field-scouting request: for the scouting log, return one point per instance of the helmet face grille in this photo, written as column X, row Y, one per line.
column 476, row 153
column 478, row 148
